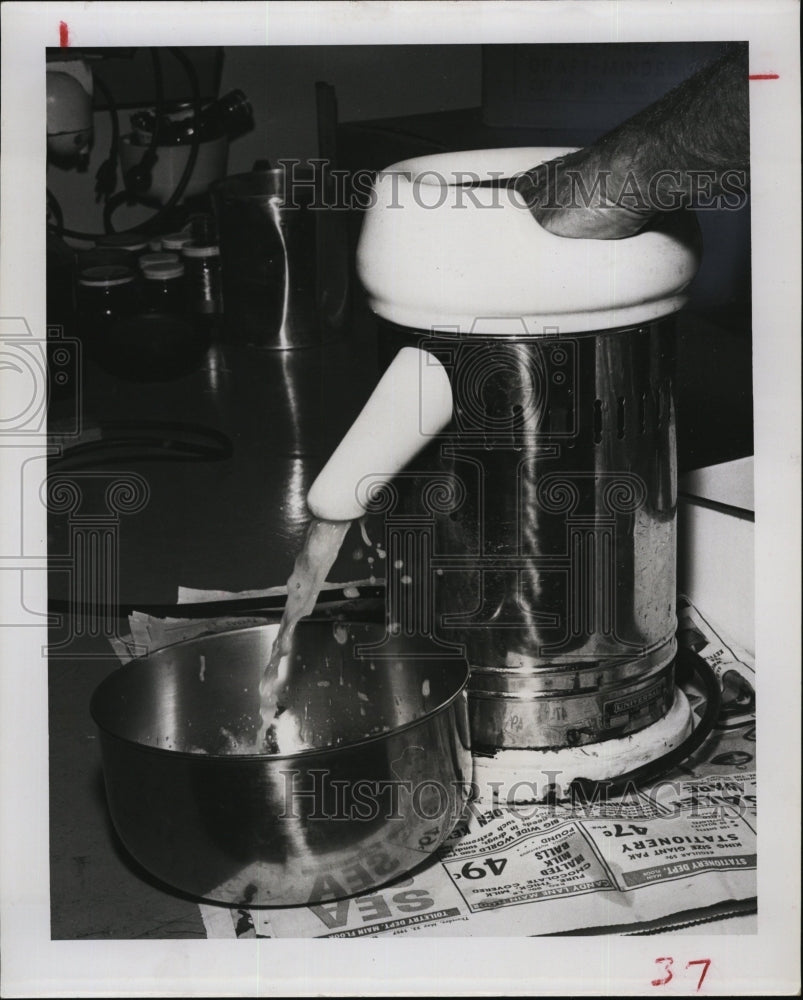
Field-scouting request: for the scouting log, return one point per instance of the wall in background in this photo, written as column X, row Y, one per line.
column 370, row 82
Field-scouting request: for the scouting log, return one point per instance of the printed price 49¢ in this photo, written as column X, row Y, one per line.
column 475, row 870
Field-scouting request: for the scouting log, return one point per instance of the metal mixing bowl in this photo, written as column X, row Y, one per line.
column 371, row 776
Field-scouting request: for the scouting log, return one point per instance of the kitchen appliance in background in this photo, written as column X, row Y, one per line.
column 284, row 256
column 176, row 147
column 155, row 154
column 69, row 111
column 536, row 530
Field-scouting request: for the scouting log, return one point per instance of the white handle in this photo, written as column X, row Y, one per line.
column 410, row 405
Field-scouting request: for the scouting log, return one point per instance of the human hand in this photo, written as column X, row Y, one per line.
column 689, row 149
column 590, row 194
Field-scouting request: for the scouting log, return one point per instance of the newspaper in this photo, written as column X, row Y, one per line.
column 684, row 845
column 544, row 870
column 149, row 633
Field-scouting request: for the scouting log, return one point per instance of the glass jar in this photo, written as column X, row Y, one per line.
column 203, row 280
column 105, row 293
column 158, row 257
column 202, row 229
column 176, row 241
column 164, row 286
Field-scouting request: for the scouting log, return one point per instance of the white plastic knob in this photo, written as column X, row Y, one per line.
column 436, row 251
column 410, row 405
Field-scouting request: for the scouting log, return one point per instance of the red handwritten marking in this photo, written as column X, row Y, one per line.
column 700, row 961
column 667, row 963
column 64, row 35
column 763, row 76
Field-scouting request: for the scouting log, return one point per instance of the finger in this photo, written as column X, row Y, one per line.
column 612, row 223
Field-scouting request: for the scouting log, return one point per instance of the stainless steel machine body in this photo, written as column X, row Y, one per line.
column 548, row 556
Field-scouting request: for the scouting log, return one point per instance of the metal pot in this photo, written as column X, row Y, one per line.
column 372, row 773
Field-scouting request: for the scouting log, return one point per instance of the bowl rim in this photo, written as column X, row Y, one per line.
column 266, row 757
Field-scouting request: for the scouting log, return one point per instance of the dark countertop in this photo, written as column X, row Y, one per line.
column 235, row 523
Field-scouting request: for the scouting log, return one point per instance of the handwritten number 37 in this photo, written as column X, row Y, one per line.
column 667, row 968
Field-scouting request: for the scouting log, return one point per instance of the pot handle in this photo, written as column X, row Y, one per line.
column 410, row 405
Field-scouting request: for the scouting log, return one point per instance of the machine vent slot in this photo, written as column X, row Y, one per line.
column 663, row 405
column 597, row 421
column 620, row 417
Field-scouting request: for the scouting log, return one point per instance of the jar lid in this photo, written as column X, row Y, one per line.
column 104, row 275
column 191, row 250
column 161, row 270
column 158, row 258
column 123, row 241
column 175, row 241
column 490, row 268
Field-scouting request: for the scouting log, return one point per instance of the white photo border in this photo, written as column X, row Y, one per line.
column 32, row 963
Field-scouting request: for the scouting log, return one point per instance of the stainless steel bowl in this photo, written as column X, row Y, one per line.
column 371, row 776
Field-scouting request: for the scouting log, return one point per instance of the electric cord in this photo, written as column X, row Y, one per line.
column 138, row 179
column 193, row 155
column 688, row 665
column 127, row 441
